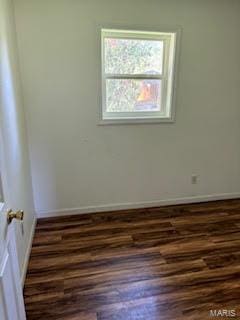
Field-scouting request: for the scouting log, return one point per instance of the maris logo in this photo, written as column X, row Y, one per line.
column 223, row 313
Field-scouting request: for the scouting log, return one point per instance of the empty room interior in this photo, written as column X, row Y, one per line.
column 119, row 159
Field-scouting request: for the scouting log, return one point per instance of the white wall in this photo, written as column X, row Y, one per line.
column 14, row 148
column 75, row 162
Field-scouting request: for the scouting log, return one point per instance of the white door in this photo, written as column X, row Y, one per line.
column 15, row 238
column 11, row 295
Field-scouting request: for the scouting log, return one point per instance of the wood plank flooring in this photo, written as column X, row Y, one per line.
column 171, row 263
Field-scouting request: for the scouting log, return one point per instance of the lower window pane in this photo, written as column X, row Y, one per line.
column 127, row 95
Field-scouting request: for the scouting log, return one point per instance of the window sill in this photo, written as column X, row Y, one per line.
column 104, row 122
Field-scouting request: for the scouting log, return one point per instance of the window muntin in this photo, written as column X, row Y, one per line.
column 137, row 75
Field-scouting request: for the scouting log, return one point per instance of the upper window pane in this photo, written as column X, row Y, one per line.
column 133, row 56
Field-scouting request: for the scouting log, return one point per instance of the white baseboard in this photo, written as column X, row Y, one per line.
column 28, row 252
column 136, row 205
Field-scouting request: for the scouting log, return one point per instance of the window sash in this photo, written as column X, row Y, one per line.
column 166, row 46
column 136, row 114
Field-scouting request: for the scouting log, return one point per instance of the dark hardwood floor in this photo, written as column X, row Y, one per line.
column 171, row 263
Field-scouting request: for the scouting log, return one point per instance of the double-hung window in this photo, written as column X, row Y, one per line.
column 138, row 76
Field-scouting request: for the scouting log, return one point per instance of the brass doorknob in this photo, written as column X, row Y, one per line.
column 14, row 215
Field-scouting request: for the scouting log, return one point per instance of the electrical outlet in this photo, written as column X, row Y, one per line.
column 194, row 179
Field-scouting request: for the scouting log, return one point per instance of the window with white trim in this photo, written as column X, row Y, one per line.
column 138, row 75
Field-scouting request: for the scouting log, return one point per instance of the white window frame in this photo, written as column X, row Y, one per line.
column 168, row 77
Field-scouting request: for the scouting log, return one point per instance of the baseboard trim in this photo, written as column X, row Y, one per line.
column 28, row 252
column 136, row 205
